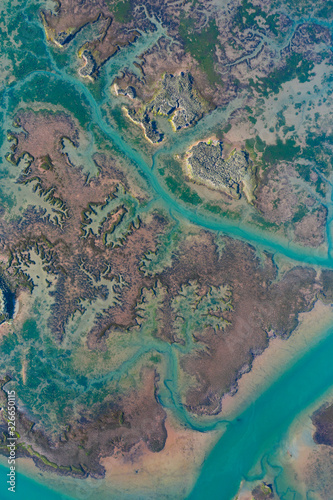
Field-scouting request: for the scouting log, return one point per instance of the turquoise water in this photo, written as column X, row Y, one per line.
column 249, row 438
column 257, row 431
column 26, row 488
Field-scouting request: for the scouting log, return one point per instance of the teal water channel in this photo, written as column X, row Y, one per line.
column 256, row 432
column 26, row 488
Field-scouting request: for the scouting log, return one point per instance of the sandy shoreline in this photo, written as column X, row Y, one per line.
column 140, row 474
column 278, row 356
column 302, row 460
column 171, row 473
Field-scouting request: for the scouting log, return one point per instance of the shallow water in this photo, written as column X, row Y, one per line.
column 255, row 433
column 27, row 488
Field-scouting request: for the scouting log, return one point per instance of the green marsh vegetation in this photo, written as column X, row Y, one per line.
column 122, row 10
column 176, row 183
column 201, row 45
column 301, row 212
column 254, row 146
column 21, row 46
column 47, row 89
column 184, row 193
column 322, row 10
column 281, row 151
column 217, row 210
column 261, row 222
column 296, row 66
column 247, row 15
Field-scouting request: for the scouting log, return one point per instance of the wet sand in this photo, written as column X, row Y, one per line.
column 171, row 473
column 175, row 468
column 278, row 356
column 306, row 466
column 141, row 474
column 168, row 474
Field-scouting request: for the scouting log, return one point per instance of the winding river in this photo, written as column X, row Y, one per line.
column 254, row 433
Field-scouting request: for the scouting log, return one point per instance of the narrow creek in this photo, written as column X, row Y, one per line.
column 255, row 432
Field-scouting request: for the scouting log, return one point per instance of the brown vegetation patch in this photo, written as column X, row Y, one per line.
column 262, row 305
column 323, row 420
column 115, row 425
